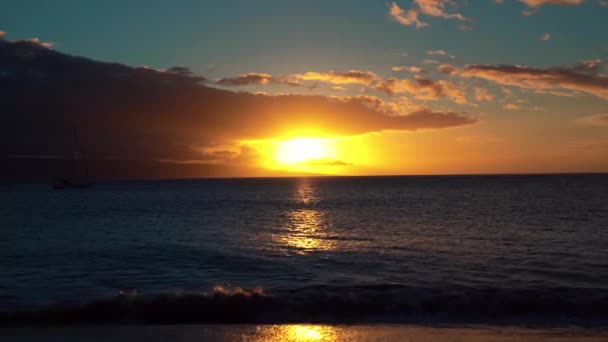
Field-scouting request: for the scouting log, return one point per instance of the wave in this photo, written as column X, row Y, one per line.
column 334, row 304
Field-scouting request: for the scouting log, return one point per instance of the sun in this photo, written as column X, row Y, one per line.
column 301, row 150
column 311, row 154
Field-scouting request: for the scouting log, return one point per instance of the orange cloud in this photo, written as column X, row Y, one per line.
column 538, row 3
column 446, row 69
column 433, row 8
column 511, row 106
column 545, row 37
column 482, row 94
column 411, row 69
column 437, row 8
column 400, row 106
column 422, row 88
column 408, row 18
column 336, row 77
column 535, row 5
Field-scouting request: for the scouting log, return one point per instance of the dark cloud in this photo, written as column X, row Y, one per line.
column 246, row 79
column 254, row 78
column 582, row 77
column 127, row 112
column 181, row 70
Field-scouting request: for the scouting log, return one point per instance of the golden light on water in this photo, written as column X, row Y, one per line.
column 305, row 229
column 297, row 333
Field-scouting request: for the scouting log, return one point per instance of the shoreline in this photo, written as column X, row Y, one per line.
column 300, row 332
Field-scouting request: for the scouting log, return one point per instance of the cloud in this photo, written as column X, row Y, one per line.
column 465, row 27
column 565, row 78
column 482, row 94
column 534, row 5
column 397, row 106
column 38, row 42
column 437, row 8
column 446, row 69
column 247, row 79
column 253, row 78
column 408, row 18
column 145, row 114
column 337, row 77
column 538, row 3
column 554, row 93
column 545, row 37
column 2, row 34
column 422, row 88
column 591, row 66
column 439, row 53
column 603, row 3
column 598, row 120
column 511, row 106
column 430, row 61
column 181, row 70
column 412, row 69
column 433, row 8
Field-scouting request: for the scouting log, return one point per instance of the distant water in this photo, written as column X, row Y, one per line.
column 531, row 248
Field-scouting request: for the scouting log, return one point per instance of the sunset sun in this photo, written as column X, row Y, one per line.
column 301, row 150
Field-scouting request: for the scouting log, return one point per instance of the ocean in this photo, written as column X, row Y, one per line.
column 529, row 249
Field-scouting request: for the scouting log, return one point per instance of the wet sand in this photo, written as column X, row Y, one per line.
column 297, row 332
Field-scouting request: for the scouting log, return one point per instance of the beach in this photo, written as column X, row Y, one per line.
column 298, row 332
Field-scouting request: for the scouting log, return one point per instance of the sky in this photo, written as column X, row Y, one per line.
column 323, row 87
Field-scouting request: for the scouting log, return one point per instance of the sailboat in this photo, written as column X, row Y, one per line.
column 77, row 182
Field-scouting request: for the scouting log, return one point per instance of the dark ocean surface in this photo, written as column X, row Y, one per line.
column 346, row 249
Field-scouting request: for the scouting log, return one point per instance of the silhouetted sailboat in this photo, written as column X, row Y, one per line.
column 78, row 181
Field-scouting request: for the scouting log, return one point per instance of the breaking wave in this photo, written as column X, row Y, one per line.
column 328, row 304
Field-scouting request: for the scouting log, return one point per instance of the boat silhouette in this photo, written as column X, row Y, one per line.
column 78, row 181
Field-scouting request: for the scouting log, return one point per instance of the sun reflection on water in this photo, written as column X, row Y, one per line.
column 305, row 228
column 296, row 333
column 305, row 193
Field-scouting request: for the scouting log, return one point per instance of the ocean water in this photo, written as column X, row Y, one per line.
column 347, row 249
